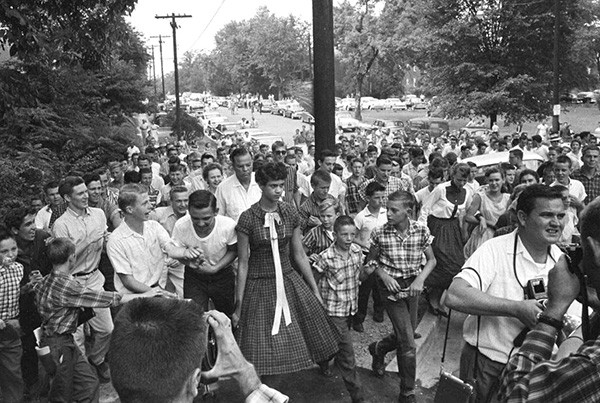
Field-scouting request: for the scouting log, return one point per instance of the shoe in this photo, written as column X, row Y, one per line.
column 407, row 399
column 378, row 364
column 103, row 372
column 416, row 335
column 358, row 327
column 378, row 317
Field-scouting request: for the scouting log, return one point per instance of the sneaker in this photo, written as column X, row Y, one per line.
column 358, row 327
column 103, row 372
column 378, row 364
column 378, row 317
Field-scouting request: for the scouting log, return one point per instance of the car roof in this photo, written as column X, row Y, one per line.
column 499, row 157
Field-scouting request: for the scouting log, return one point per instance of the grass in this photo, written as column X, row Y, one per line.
column 583, row 117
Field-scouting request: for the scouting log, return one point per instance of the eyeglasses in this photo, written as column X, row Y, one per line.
column 280, row 152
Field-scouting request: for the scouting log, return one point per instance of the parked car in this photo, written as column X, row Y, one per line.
column 388, row 126
column 306, row 117
column 348, row 104
column 586, row 97
column 433, row 126
column 213, row 117
column 279, row 107
column 483, row 162
column 293, row 111
column 395, row 104
column 267, row 106
column 371, row 103
column 349, row 124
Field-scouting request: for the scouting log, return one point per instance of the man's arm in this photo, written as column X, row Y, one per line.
column 465, row 298
column 530, row 376
column 225, row 261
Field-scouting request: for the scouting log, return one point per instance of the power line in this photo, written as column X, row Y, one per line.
column 207, row 25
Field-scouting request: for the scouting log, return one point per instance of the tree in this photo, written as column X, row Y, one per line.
column 358, row 41
column 491, row 57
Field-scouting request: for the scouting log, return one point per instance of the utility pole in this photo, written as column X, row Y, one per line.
column 162, row 72
column 173, row 18
column 556, row 68
column 324, row 84
column 153, row 71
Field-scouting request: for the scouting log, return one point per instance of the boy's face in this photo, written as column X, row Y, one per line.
column 321, row 190
column 357, row 169
column 397, row 213
column 328, row 217
column 509, row 176
column 562, row 171
column 376, row 199
column 344, row 236
column 8, row 251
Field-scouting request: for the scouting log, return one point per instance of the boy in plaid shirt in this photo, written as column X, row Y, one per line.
column 396, row 252
column 321, row 237
column 341, row 266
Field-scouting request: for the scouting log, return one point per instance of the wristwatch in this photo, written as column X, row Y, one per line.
column 555, row 323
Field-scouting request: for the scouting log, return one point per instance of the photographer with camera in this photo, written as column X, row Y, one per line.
column 530, row 375
column 501, row 287
column 157, row 348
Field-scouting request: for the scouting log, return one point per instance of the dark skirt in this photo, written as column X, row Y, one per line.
column 448, row 251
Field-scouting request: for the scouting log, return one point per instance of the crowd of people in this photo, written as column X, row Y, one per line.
column 289, row 247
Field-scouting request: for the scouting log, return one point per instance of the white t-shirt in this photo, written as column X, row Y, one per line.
column 498, row 279
column 576, row 189
column 214, row 245
column 366, row 222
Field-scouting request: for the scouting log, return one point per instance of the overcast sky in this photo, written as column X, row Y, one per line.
column 208, row 17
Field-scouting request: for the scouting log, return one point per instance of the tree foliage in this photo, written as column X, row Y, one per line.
column 67, row 96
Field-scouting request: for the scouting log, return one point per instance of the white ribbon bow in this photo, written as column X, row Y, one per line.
column 282, row 305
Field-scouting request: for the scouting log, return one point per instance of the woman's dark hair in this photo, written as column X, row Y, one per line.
column 209, row 168
column 531, row 172
column 272, row 171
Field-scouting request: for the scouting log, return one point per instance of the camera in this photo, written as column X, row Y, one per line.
column 536, row 289
column 574, row 253
column 210, row 356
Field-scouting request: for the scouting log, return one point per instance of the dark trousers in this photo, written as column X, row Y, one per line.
column 74, row 380
column 107, row 270
column 219, row 287
column 344, row 359
column 402, row 340
column 487, row 378
column 29, row 321
column 365, row 289
column 11, row 382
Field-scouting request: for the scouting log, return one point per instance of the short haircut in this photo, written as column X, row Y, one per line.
column 531, row 172
column 563, row 159
column 471, row 164
column 67, row 185
column 355, row 160
column 517, row 153
column 59, row 250
column 406, row 198
column 507, row 166
column 91, row 177
column 149, row 150
column 272, row 171
column 374, row 187
column 146, row 171
column 435, row 173
column 129, row 194
column 326, row 154
column 238, row 152
column 6, row 234
column 342, row 221
column 277, row 144
column 493, row 170
column 201, row 199
column 372, row 148
column 590, row 147
column 460, row 168
column 117, row 164
column 383, row 160
column 329, row 202
column 16, row 216
column 51, row 185
column 177, row 167
column 155, row 346
column 320, row 176
column 207, row 156
column 209, row 168
column 537, row 138
column 132, row 177
column 177, row 189
column 416, row 152
column 590, row 217
column 528, row 197
column 144, row 157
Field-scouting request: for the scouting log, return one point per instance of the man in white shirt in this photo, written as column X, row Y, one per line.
column 137, row 247
column 212, row 275
column 562, row 172
column 240, row 191
column 55, row 204
column 492, row 286
column 145, row 161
